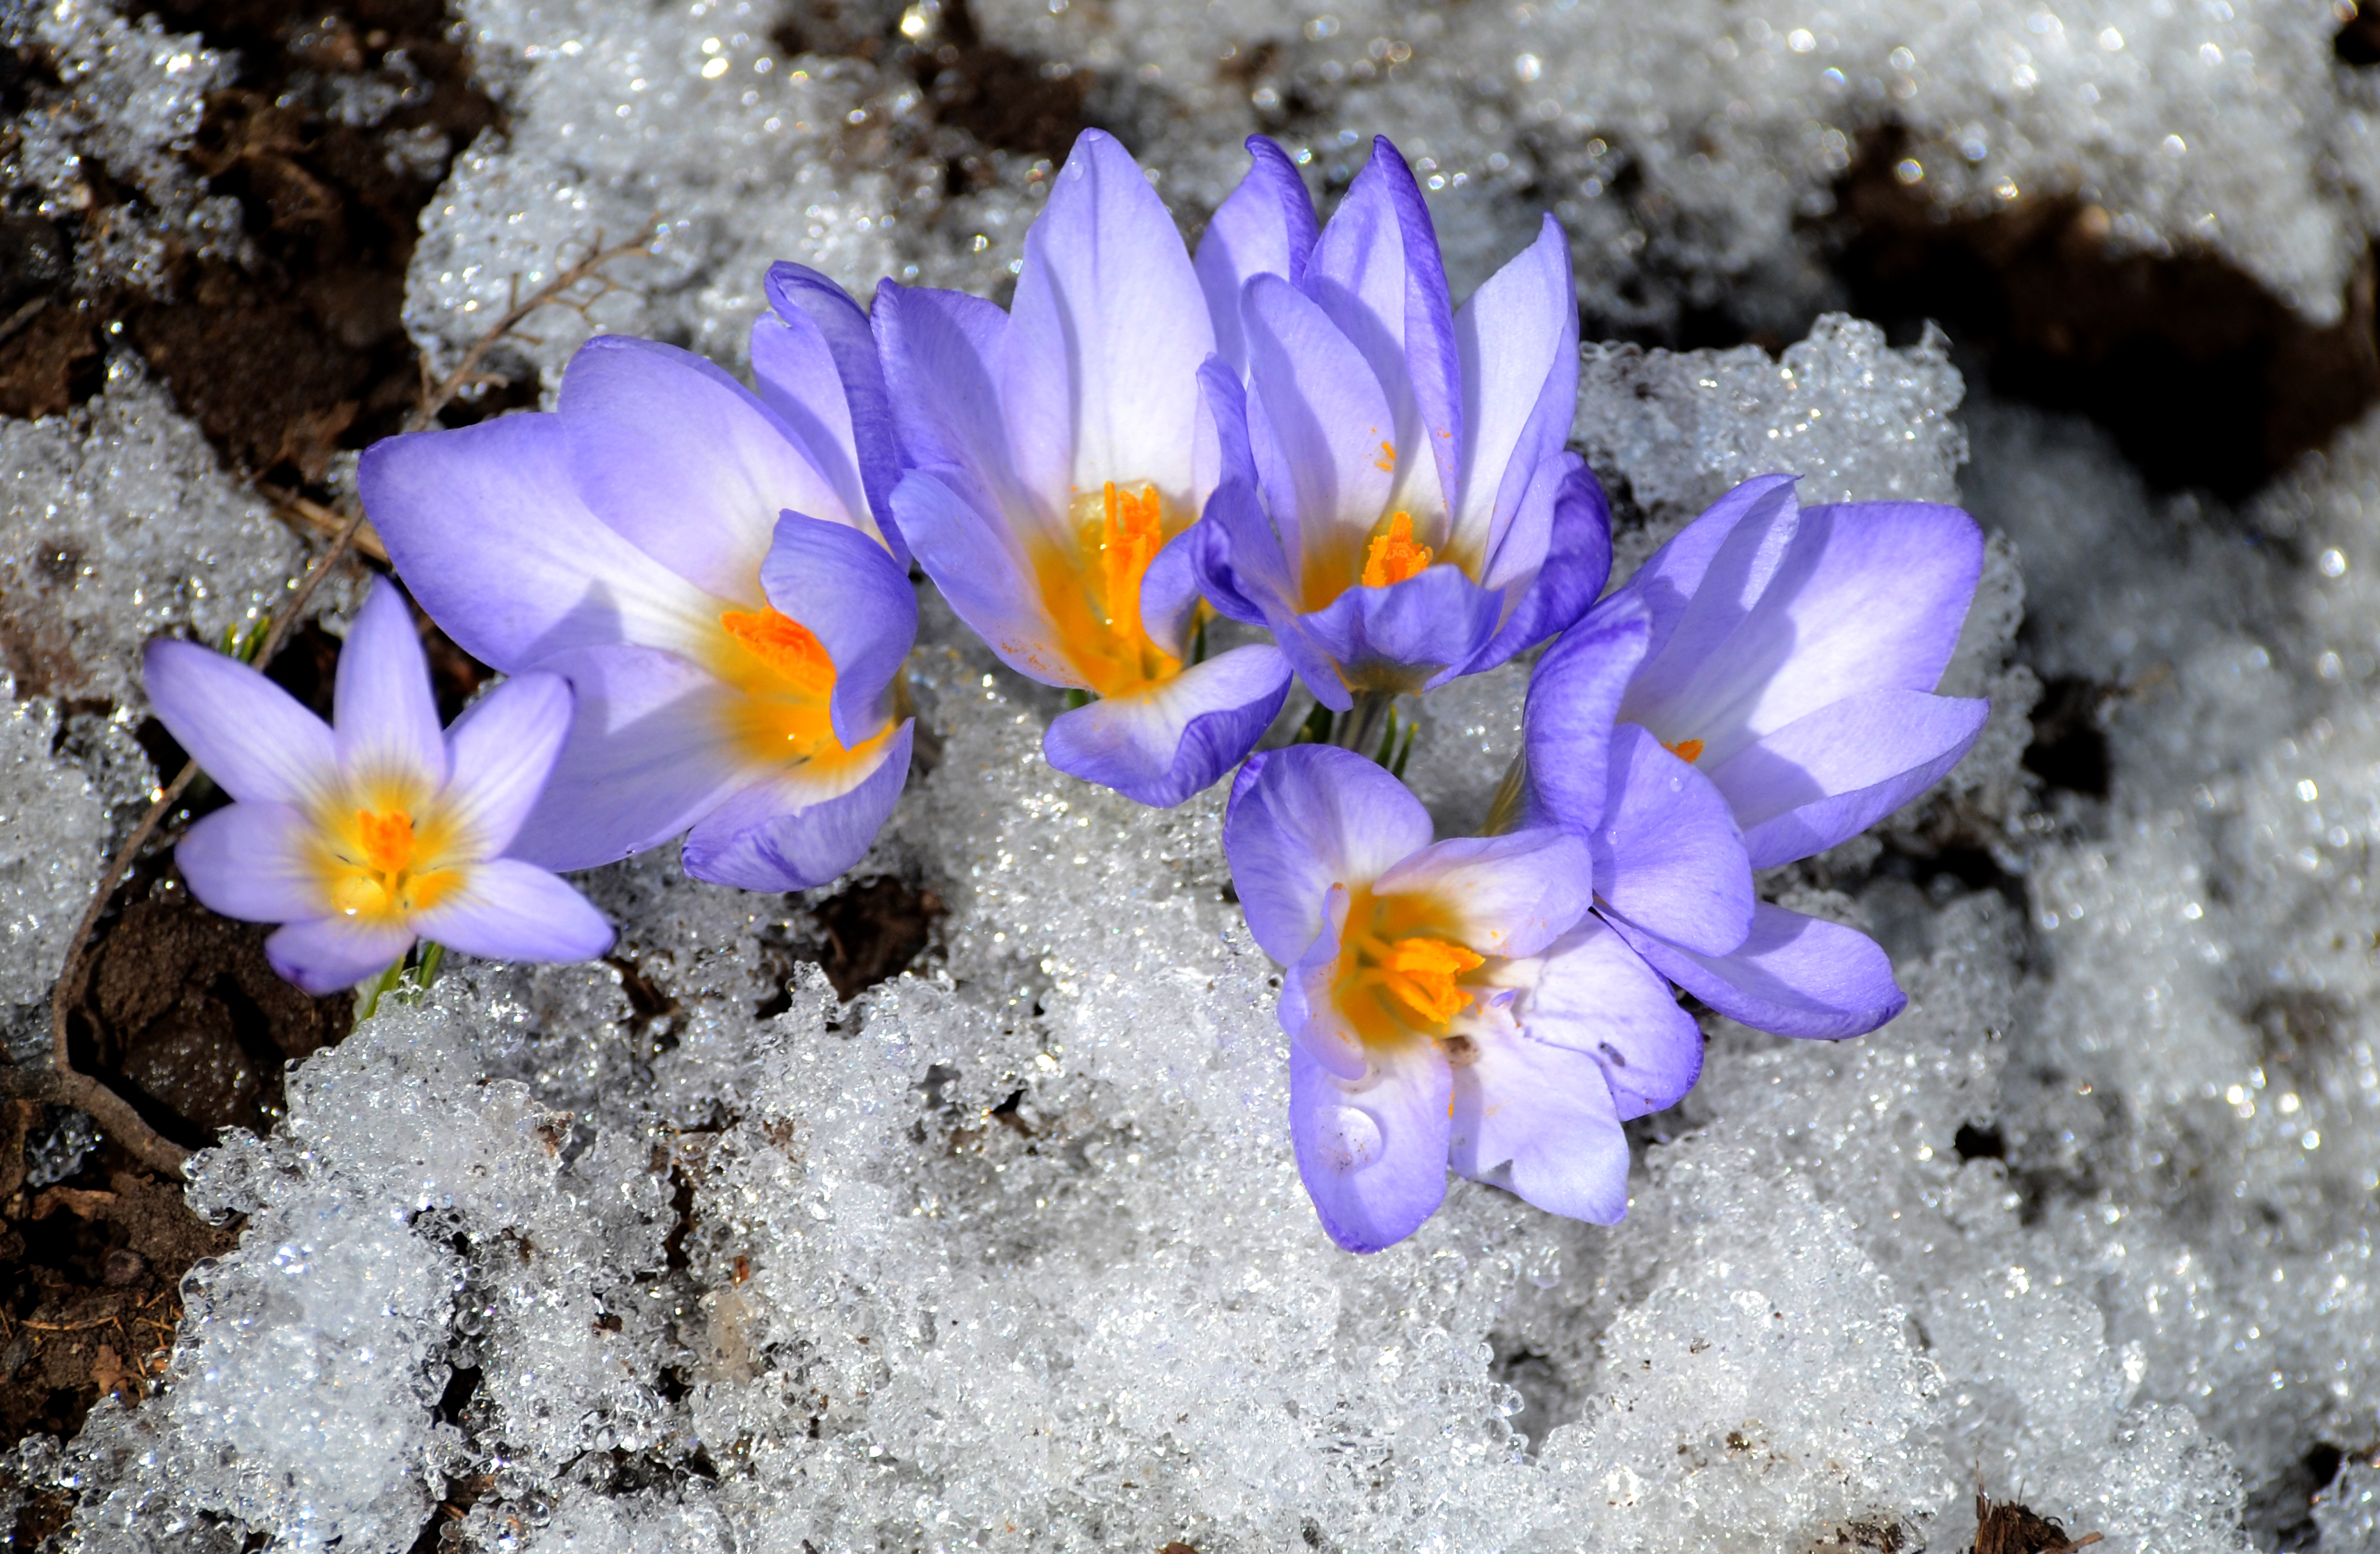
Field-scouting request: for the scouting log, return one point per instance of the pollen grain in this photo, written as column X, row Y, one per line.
column 1394, row 556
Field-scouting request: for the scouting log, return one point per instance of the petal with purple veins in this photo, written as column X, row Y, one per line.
column 1667, row 854
column 1794, row 976
column 1162, row 744
column 507, row 910
column 1517, row 340
column 1832, row 774
column 976, row 562
column 940, row 351
column 255, row 739
column 254, row 862
column 797, row 291
column 1372, row 1152
column 1559, row 570
column 503, row 748
column 1263, row 227
column 1329, row 464
column 384, row 717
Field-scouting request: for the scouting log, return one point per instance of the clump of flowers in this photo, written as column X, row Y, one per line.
column 1175, row 486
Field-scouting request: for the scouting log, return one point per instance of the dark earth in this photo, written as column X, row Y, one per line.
column 2206, row 381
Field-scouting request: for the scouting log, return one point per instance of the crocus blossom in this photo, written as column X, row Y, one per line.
column 1395, row 502
column 1774, row 665
column 363, row 835
column 713, row 571
column 1450, row 1002
column 1057, row 454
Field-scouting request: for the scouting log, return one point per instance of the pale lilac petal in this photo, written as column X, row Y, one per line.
column 1309, row 1012
column 507, row 910
column 797, row 291
column 1377, row 271
column 648, row 756
column 503, row 748
column 1668, row 855
column 1566, row 722
column 797, row 377
column 1832, row 774
column 383, row 714
column 686, row 462
column 1302, row 819
column 1560, row 570
column 1506, row 896
column 1794, row 976
column 1595, row 995
column 254, row 862
column 857, row 602
column 977, row 563
column 1098, row 371
column 485, row 526
column 1264, row 227
column 1328, row 466
column 326, row 955
column 1539, row 1123
column 795, row 832
column 1699, row 643
column 940, row 351
column 1868, row 596
column 1161, row 744
column 1674, row 574
column 1242, row 566
column 1517, row 339
column 1373, row 1152
column 256, row 740
column 1407, row 636
column 1169, row 590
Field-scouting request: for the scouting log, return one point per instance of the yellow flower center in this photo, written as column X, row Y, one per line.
column 1401, row 971
column 1091, row 588
column 1394, row 556
column 375, row 865
column 784, row 683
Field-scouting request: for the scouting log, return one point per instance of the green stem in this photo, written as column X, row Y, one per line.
column 1360, row 729
column 384, row 983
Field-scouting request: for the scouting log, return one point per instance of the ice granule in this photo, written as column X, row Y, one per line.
column 56, row 823
column 117, row 525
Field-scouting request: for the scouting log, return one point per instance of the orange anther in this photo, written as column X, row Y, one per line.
column 785, row 645
column 1394, row 556
column 1422, row 972
column 387, row 840
column 1388, row 459
column 1131, row 530
column 1687, row 751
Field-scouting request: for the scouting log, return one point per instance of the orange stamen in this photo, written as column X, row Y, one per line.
column 387, row 840
column 1091, row 588
column 785, row 646
column 1687, row 751
column 1131, row 530
column 1394, row 556
column 381, row 869
column 1421, row 973
column 1387, row 462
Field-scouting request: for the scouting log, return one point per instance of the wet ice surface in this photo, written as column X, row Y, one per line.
column 1011, row 1253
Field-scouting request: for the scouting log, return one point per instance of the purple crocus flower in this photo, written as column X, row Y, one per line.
column 1059, row 455
column 363, row 836
column 1772, row 665
column 1448, row 1003
column 1395, row 501
column 710, row 570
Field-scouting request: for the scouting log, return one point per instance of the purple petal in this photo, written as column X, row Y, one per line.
column 485, row 526
column 255, row 739
column 1098, row 371
column 1377, row 271
column 1309, row 1012
column 940, row 351
column 326, row 955
column 1407, row 636
column 503, row 748
column 1867, row 597
column 976, row 561
column 1595, row 995
column 792, row 833
column 1560, row 570
column 797, row 292
column 1302, row 819
column 648, row 756
column 1169, row 590
column 1264, row 227
column 1566, row 722
column 1839, row 770
column 686, row 462
column 1794, row 976
column 850, row 593
column 798, row 379
column 1161, row 744
column 1539, row 1123
column 1325, row 476
column 254, row 862
column 1667, row 854
column 1373, row 1153
column 1673, row 574
column 508, row 910
column 1510, row 895
column 1518, row 342
column 1243, row 561
column 384, row 715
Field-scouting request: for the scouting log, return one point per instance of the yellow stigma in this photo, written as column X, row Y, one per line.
column 785, row 685
column 373, row 864
column 1400, row 973
column 1092, row 589
column 786, row 646
column 1394, row 556
column 1687, row 751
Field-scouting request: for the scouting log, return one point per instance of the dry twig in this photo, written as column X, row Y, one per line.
column 62, row 1083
